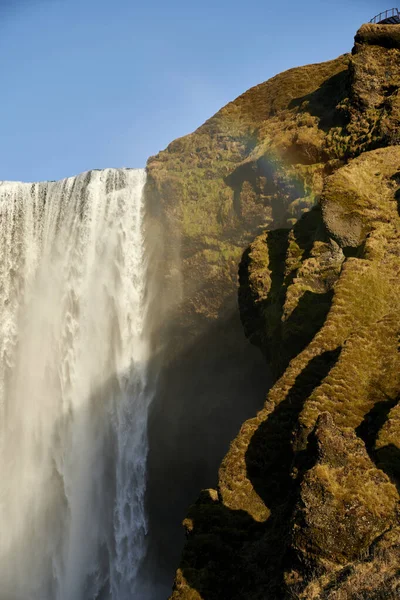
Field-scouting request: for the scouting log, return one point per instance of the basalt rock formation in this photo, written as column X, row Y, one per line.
column 296, row 183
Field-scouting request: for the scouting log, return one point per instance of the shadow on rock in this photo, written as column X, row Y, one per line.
column 386, row 457
column 323, row 102
column 204, row 394
column 230, row 555
column 270, row 454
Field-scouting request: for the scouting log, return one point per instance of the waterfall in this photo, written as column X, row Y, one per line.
column 74, row 387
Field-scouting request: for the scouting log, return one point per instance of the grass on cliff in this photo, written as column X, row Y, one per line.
column 280, row 117
column 361, row 320
column 350, row 307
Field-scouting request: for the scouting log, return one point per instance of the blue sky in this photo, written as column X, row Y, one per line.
column 94, row 83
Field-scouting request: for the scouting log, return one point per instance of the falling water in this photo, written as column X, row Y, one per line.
column 74, row 388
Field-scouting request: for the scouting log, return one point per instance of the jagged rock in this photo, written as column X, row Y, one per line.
column 385, row 36
column 313, row 152
column 345, row 501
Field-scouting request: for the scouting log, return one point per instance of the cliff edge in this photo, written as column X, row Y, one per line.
column 297, row 183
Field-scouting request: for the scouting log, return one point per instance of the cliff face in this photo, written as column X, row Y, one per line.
column 306, row 504
column 256, row 164
column 210, row 193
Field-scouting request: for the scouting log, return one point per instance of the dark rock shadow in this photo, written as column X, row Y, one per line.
column 323, row 102
column 203, row 396
column 262, row 319
column 397, row 197
column 255, row 314
column 396, row 179
column 270, row 455
column 387, row 457
column 309, row 229
column 305, row 321
column 229, row 554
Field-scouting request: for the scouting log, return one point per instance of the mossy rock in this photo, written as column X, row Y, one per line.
column 345, row 501
column 304, row 171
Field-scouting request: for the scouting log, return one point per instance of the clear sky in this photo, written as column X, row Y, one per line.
column 99, row 83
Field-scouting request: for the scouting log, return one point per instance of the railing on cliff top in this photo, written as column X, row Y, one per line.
column 391, row 16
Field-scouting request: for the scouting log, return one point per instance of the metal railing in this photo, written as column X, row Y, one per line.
column 392, row 12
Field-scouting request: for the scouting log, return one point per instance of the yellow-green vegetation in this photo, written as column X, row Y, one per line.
column 264, row 124
column 261, row 161
column 347, row 505
column 285, row 276
column 257, row 164
column 350, row 366
column 307, row 503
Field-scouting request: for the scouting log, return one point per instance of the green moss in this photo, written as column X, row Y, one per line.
column 308, row 303
column 319, row 293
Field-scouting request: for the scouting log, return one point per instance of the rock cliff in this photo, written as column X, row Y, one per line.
column 296, row 184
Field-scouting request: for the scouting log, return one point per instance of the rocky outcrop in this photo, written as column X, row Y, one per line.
column 346, row 509
column 302, row 170
column 312, row 499
column 208, row 195
column 256, row 164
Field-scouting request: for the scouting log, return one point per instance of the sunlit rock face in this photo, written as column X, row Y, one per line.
column 74, row 386
column 306, row 506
